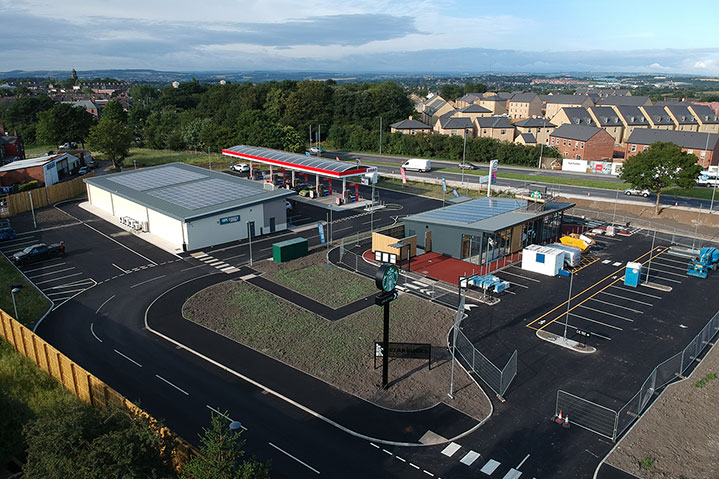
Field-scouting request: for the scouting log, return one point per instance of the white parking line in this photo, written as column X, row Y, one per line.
column 595, row 321
column 74, row 284
column 293, row 457
column 617, row 306
column 627, row 299
column 15, row 242
column 146, row 281
column 66, row 292
column 652, row 269
column 523, row 461
column 606, row 313
column 655, row 277
column 671, row 260
column 126, row 247
column 92, row 330
column 663, row 265
column 44, row 267
column 103, row 304
column 512, row 283
column 637, row 292
column 128, row 358
column 116, row 266
column 174, row 386
column 58, row 279
column 50, row 272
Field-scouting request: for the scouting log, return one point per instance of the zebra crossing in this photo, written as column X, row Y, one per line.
column 214, row 262
column 488, row 467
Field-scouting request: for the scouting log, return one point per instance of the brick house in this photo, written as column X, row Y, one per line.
column 11, row 149
column 496, row 104
column 537, row 127
column 452, row 125
column 573, row 116
column 624, row 100
column 707, row 118
column 705, row 146
column 582, row 142
column 683, row 119
column 658, row 117
column 606, row 118
column 410, row 127
column 632, row 118
column 525, row 105
column 48, row 170
column 554, row 103
column 468, row 99
column 473, row 111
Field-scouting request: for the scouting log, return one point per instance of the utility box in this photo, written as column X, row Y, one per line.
column 288, row 250
column 543, row 260
column 633, row 274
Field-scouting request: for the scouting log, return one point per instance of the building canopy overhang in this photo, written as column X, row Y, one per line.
column 297, row 162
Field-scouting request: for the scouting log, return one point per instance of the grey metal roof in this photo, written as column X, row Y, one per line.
column 186, row 192
column 494, row 122
column 624, row 100
column 311, row 164
column 485, row 214
column 455, row 123
column 682, row 114
column 410, row 125
column 705, row 114
column 685, row 139
column 576, row 132
column 605, row 115
column 534, row 123
column 658, row 115
column 474, row 108
column 578, row 115
column 632, row 115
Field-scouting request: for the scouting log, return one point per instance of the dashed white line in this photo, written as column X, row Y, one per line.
column 224, row 415
column 387, row 452
column 174, row 386
column 374, row 445
column 128, row 358
column 293, row 457
column 103, row 304
column 413, row 465
column 427, row 472
column 401, row 459
column 146, row 281
column 92, row 330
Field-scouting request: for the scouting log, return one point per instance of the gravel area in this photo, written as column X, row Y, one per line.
column 677, row 437
column 341, row 352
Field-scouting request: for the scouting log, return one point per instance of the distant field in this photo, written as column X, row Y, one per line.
column 146, row 157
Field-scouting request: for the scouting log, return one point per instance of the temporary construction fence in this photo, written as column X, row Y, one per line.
column 497, row 379
column 610, row 423
column 11, row 205
column 75, row 379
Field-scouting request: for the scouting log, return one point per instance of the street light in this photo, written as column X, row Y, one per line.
column 464, row 151
column 249, row 238
column 380, row 136
column 15, row 289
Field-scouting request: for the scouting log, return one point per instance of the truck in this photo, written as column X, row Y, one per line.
column 417, row 164
column 39, row 252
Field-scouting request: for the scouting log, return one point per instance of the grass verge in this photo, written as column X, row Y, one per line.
column 339, row 287
column 31, row 304
column 428, row 189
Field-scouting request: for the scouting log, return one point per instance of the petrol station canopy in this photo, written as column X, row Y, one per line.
column 297, row 162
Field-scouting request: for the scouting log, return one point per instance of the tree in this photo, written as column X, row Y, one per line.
column 221, row 456
column 22, row 115
column 63, row 122
column 115, row 111
column 451, row 92
column 112, row 139
column 660, row 166
column 76, row 440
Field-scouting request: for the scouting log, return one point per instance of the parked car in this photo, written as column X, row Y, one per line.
column 240, row 167
column 417, row 164
column 68, row 146
column 638, row 192
column 39, row 252
column 467, row 166
column 84, row 170
column 316, row 150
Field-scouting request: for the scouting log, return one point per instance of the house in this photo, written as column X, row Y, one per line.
column 606, row 118
column 473, row 111
column 707, row 118
column 573, row 116
column 496, row 104
column 704, row 145
column 434, row 109
column 11, row 148
column 632, row 118
column 581, row 142
column 554, row 103
column 525, row 105
column 537, row 127
column 617, row 100
column 410, row 127
column 658, row 117
column 88, row 105
column 468, row 99
column 683, row 119
column 497, row 127
column 526, row 139
column 452, row 125
column 48, row 170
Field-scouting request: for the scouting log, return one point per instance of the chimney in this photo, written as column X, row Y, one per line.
column 410, row 117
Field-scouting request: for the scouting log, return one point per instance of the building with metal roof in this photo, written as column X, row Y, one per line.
column 188, row 206
column 486, row 229
column 705, row 146
column 47, row 169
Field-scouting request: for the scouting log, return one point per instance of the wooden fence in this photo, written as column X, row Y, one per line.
column 75, row 379
column 40, row 197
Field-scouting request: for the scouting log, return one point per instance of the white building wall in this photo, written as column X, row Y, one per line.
column 99, row 198
column 166, row 228
column 124, row 207
column 50, row 173
column 208, row 231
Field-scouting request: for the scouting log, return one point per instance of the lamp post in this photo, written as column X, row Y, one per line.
column 541, row 150
column 566, row 318
column 464, row 151
column 15, row 289
column 380, row 136
column 249, row 238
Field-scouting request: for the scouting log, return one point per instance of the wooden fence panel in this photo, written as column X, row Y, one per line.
column 41, row 197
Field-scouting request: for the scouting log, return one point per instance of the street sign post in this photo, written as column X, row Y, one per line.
column 386, row 281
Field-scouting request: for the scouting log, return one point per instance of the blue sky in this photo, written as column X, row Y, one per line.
column 362, row 35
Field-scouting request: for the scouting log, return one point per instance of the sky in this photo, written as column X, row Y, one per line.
column 404, row 36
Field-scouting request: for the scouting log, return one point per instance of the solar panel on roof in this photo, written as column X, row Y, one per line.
column 144, row 180
column 472, row 211
column 200, row 194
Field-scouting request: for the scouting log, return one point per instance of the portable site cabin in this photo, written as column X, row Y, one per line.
column 543, row 259
column 574, row 256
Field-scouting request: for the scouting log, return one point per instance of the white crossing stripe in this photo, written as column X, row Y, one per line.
column 410, row 285
column 606, row 261
column 618, row 263
column 212, row 261
column 490, row 467
column 248, row 276
column 469, row 458
column 229, row 270
column 199, row 254
column 512, row 474
column 451, row 449
column 220, row 265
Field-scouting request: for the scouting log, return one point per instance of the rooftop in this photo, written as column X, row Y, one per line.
column 624, row 100
column 685, row 139
column 534, row 123
column 186, row 192
column 410, row 125
column 576, row 132
column 31, row 162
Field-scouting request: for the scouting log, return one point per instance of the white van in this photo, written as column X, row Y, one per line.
column 417, row 164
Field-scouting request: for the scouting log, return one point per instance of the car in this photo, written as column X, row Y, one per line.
column 467, row 166
column 39, row 252
column 68, row 146
column 303, row 186
column 417, row 164
column 84, row 170
column 638, row 192
column 240, row 167
column 316, row 150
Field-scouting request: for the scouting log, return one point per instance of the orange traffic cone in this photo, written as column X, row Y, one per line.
column 560, row 419
column 566, row 421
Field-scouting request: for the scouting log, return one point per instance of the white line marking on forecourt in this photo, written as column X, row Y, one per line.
column 128, row 358
column 92, row 330
column 293, row 457
column 103, row 304
column 173, row 385
column 146, row 281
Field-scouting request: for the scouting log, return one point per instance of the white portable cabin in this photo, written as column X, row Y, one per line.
column 574, row 256
column 543, row 259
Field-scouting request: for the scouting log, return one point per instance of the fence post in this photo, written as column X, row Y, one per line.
column 616, row 426
column 473, row 351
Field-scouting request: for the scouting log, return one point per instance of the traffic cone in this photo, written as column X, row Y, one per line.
column 676, row 203
column 588, row 194
column 566, row 421
column 560, row 419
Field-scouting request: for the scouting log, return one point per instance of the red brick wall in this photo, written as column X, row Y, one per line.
column 711, row 157
column 23, row 175
column 598, row 147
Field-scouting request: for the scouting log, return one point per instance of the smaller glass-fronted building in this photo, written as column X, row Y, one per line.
column 486, row 229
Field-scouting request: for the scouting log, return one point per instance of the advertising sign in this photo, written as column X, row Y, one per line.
column 321, row 229
column 444, row 185
column 404, row 175
column 493, row 165
column 574, row 165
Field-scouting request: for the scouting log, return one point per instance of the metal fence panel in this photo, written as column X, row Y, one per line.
column 508, row 373
column 480, row 365
column 628, row 414
column 587, row 414
column 646, row 392
column 690, row 354
column 668, row 370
